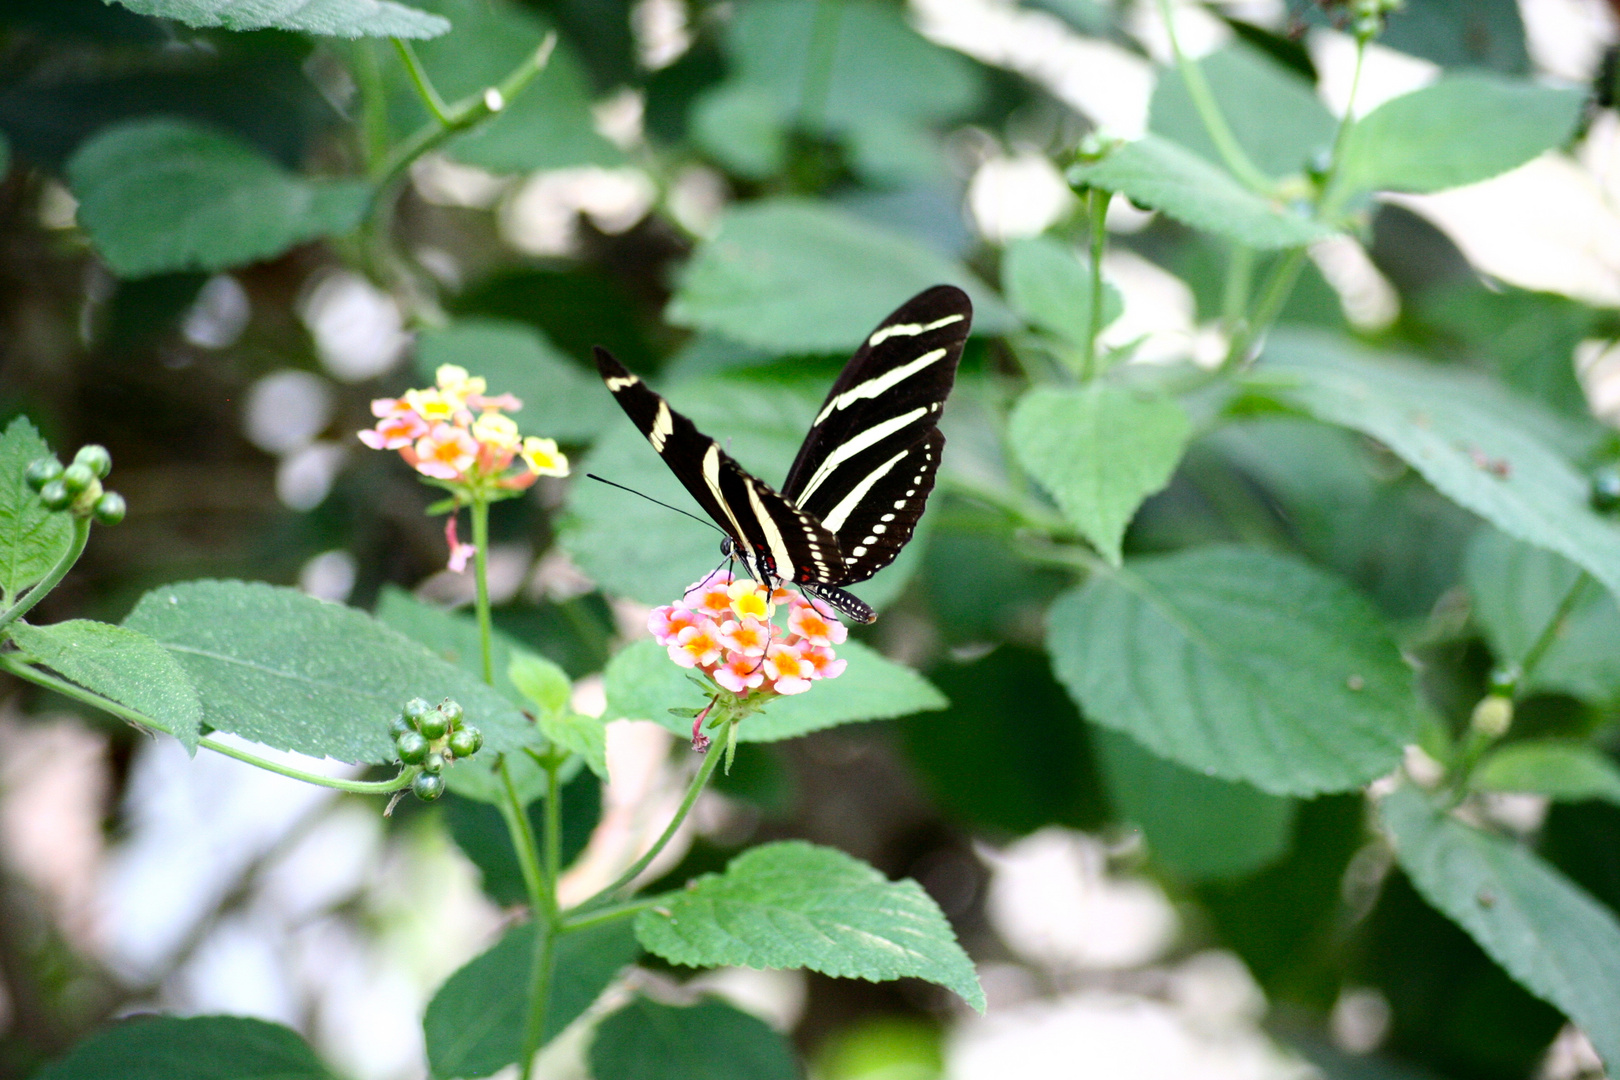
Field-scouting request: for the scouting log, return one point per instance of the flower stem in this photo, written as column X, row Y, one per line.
column 553, row 836
column 21, row 607
column 1099, row 243
column 1203, row 99
column 534, row 1023
column 605, row 915
column 422, row 82
column 480, row 528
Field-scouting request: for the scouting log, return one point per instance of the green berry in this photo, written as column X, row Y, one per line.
column 1605, row 492
column 415, row 709
column 433, row 763
column 427, row 787
column 465, row 741
column 43, row 472
column 411, row 747
column 77, row 476
column 110, row 508
column 433, row 724
column 95, row 458
column 398, row 726
column 55, row 495
column 452, row 712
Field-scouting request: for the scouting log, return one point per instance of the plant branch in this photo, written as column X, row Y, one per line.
column 553, row 836
column 1549, row 633
column 423, row 82
column 1099, row 243
column 1203, row 99
column 21, row 607
column 1274, row 295
column 534, row 1023
column 605, row 915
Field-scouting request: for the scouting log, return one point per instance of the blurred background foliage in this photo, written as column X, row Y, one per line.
column 728, row 195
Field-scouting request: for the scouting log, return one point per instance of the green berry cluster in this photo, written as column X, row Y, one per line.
column 77, row 487
column 432, row 736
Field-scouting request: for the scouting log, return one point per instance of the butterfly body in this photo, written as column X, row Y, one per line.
column 862, row 476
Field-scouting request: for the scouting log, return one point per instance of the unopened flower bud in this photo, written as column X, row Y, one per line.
column 1504, row 680
column 77, row 477
column 43, row 471
column 95, row 458
column 412, row 747
column 110, row 508
column 1493, row 716
column 465, row 741
column 427, row 786
column 55, row 495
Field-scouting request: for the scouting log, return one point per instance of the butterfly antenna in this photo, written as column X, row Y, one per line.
column 665, row 505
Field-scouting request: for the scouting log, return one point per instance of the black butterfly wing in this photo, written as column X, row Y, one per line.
column 772, row 534
column 869, row 461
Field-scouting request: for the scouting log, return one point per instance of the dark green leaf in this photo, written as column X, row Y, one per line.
column 1099, row 450
column 643, row 683
column 194, row 1048
column 1049, row 284
column 480, row 832
column 1203, row 828
column 792, row 905
column 1557, row 941
column 788, row 276
column 707, row 1041
column 1240, row 664
column 160, row 194
column 128, row 667
column 1565, row 771
column 474, row 1024
column 296, row 673
column 32, row 539
column 332, row 18
column 560, row 401
column 1157, row 173
column 1461, row 130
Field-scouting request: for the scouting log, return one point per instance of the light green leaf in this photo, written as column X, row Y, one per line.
column 128, row 667
column 474, row 1024
column 193, row 1048
column 1203, row 828
column 32, row 539
column 740, row 126
column 582, row 735
column 1157, row 173
column 1099, row 450
column 541, row 682
column 159, row 195
column 643, row 683
column 1463, row 129
column 560, row 400
column 1274, row 114
column 296, row 673
column 1554, row 939
column 1517, row 590
column 792, row 276
column 1564, row 771
column 548, row 687
column 792, row 905
column 707, row 1041
column 1049, row 284
column 330, row 18
column 1480, row 446
column 1241, row 664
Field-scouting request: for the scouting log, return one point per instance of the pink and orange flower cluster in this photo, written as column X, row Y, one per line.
column 456, row 433
column 723, row 627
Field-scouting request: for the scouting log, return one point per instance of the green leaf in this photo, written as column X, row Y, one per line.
column 1241, row 664
column 541, row 682
column 329, row 18
column 1049, row 284
column 1563, row 771
column 193, row 1048
column 643, row 683
column 296, row 673
column 547, row 126
column 787, row 275
column 159, row 195
column 1517, row 590
column 480, row 832
column 1554, row 939
column 740, row 126
column 1480, row 446
column 1463, row 129
column 1099, row 450
column 582, row 735
column 792, row 904
column 707, row 1041
column 560, row 400
column 32, row 539
column 474, row 1024
column 1274, row 114
column 1203, row 828
column 128, row 667
column 1157, row 173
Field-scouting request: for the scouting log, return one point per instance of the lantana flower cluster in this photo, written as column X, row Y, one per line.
column 723, row 628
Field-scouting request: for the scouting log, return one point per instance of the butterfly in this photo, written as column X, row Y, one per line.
column 863, row 474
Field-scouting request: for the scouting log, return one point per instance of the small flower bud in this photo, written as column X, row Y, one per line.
column 452, row 711
column 110, row 508
column 433, row 724
column 398, row 725
column 433, row 764
column 415, row 709
column 55, row 495
column 1504, row 680
column 427, row 786
column 412, row 747
column 95, row 458
column 1493, row 716
column 77, row 477
column 465, row 741
column 43, row 471
column 1605, row 490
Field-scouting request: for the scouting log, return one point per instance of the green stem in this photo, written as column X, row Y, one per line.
column 553, row 837
column 373, row 103
column 1549, row 633
column 606, row 915
column 1239, row 284
column 1203, row 99
column 1333, row 192
column 480, row 529
column 23, row 604
column 534, row 1024
column 524, row 846
column 1099, row 244
column 818, row 68
column 1025, row 512
column 710, row 760
column 423, row 82
column 1274, row 294
column 140, row 719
